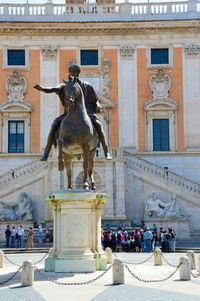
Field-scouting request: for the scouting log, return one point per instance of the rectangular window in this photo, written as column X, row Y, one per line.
column 161, row 134
column 16, row 136
column 160, row 56
column 16, row 57
column 89, row 57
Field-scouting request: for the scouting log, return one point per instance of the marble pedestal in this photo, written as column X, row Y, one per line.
column 77, row 231
column 181, row 226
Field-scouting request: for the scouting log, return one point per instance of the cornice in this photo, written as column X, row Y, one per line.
column 98, row 27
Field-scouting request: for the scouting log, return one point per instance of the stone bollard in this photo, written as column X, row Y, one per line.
column 1, row 259
column 108, row 252
column 184, row 270
column 190, row 255
column 118, row 272
column 157, row 257
column 27, row 276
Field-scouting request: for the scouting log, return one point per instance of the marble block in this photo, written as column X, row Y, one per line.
column 77, row 231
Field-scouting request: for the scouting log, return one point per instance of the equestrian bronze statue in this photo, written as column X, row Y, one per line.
column 78, row 129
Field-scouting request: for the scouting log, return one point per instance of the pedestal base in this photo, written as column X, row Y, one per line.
column 77, row 232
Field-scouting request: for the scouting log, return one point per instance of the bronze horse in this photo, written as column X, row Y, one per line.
column 77, row 135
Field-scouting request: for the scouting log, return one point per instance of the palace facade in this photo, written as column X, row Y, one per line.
column 143, row 59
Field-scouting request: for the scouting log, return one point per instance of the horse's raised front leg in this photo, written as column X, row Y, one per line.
column 68, row 160
column 90, row 170
column 60, row 155
column 86, row 150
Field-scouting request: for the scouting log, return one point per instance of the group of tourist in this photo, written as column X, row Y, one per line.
column 15, row 237
column 138, row 239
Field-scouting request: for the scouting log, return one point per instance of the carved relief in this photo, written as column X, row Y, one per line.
column 192, row 49
column 160, row 84
column 16, row 87
column 126, row 51
column 106, row 82
column 49, row 51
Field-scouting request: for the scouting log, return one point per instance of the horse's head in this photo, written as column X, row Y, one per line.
column 73, row 92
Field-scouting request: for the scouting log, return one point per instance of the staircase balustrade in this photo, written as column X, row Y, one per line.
column 24, row 170
column 164, row 173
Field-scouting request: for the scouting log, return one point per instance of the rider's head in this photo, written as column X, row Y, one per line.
column 74, row 70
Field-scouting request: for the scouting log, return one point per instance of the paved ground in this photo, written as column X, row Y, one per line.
column 102, row 289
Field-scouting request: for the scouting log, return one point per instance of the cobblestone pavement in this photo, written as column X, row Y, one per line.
column 102, row 289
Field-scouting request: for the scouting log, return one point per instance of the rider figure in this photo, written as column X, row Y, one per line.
column 92, row 105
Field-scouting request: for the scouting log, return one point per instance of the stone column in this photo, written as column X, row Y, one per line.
column 120, row 190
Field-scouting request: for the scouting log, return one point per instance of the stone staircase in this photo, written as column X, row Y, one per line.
column 21, row 176
column 183, row 187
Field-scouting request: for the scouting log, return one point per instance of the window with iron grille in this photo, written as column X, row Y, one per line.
column 159, row 56
column 89, row 57
column 16, row 136
column 161, row 135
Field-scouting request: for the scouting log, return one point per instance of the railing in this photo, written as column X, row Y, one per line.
column 23, row 170
column 50, row 12
column 115, row 152
column 164, row 173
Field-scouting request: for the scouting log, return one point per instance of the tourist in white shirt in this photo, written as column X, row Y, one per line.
column 20, row 235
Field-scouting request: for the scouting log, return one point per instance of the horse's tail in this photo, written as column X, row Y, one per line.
column 60, row 155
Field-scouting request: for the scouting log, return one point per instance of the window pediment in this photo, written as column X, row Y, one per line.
column 20, row 107
column 160, row 105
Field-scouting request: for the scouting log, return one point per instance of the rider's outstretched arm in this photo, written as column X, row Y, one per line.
column 47, row 89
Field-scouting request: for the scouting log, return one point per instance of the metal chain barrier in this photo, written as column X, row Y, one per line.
column 6, row 281
column 41, row 259
column 136, row 263
column 72, row 283
column 167, row 261
column 148, row 281
column 195, row 275
column 9, row 260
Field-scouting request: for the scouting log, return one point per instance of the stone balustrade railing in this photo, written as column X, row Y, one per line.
column 164, row 173
column 23, row 170
column 116, row 152
column 49, row 12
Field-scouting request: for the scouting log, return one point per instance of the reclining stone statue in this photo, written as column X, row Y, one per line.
column 19, row 211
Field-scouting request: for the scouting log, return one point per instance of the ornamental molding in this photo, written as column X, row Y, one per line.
column 49, row 51
column 54, row 29
column 16, row 87
column 160, row 84
column 126, row 51
column 192, row 49
column 106, row 81
column 159, row 105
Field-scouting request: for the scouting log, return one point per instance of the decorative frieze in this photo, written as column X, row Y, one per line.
column 106, row 82
column 16, row 87
column 49, row 51
column 126, row 51
column 192, row 49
